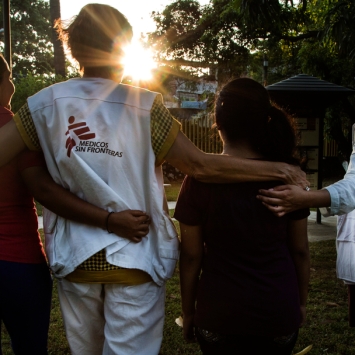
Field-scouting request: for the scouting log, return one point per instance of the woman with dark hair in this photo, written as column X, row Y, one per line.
column 251, row 295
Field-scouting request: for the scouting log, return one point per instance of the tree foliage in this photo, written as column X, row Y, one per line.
column 228, row 34
column 59, row 56
column 32, row 48
column 315, row 37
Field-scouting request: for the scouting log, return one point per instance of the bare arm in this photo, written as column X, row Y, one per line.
column 287, row 198
column 298, row 246
column 185, row 156
column 190, row 268
column 11, row 142
column 129, row 224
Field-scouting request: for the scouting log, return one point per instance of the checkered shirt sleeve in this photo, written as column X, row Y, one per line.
column 26, row 127
column 98, row 262
column 164, row 129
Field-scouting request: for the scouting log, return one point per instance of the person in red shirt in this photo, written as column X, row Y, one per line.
column 25, row 279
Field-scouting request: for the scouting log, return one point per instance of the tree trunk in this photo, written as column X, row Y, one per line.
column 59, row 57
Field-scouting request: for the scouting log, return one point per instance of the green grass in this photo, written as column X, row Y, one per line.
column 172, row 192
column 327, row 326
column 39, row 208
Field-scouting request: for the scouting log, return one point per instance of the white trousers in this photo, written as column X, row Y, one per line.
column 111, row 319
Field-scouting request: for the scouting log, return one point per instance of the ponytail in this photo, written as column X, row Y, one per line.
column 280, row 139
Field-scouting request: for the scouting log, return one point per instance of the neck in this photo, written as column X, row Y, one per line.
column 105, row 73
column 241, row 148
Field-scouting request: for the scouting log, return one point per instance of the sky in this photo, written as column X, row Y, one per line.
column 137, row 11
column 138, row 62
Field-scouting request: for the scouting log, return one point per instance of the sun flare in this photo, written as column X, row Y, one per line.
column 138, row 62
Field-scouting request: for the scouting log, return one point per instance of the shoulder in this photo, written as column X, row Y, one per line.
column 136, row 96
column 192, row 189
column 5, row 115
column 192, row 202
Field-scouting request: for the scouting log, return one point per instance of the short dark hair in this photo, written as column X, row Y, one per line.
column 94, row 34
column 243, row 111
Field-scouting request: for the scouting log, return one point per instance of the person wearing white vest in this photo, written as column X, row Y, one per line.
column 106, row 141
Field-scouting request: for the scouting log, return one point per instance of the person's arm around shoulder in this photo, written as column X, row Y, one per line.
column 298, row 247
column 342, row 192
column 287, row 198
column 130, row 224
column 337, row 198
column 171, row 145
column 190, row 269
column 215, row 168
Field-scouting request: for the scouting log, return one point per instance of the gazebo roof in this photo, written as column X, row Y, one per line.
column 306, row 83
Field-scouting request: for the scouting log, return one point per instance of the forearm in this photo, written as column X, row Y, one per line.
column 342, row 196
column 287, row 198
column 67, row 205
column 299, row 251
column 129, row 224
column 226, row 169
column 302, row 265
column 190, row 265
column 189, row 275
column 314, row 199
column 342, row 193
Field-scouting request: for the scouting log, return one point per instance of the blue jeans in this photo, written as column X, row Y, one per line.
column 25, row 303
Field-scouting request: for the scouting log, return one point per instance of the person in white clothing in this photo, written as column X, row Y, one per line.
column 106, row 142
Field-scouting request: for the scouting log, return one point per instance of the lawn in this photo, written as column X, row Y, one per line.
column 172, row 191
column 327, row 326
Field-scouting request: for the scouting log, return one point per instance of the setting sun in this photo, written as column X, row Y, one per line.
column 138, row 62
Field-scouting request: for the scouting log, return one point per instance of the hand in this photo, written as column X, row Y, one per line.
column 130, row 224
column 303, row 316
column 295, row 176
column 284, row 199
column 188, row 329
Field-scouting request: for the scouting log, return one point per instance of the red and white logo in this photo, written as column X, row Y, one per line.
column 81, row 131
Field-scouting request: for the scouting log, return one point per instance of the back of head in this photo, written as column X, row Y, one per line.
column 96, row 36
column 243, row 112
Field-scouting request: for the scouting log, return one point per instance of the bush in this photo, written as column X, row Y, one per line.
column 29, row 85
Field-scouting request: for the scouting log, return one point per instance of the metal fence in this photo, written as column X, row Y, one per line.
column 201, row 133
column 330, row 148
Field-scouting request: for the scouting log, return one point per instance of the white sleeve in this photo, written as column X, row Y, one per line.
column 342, row 193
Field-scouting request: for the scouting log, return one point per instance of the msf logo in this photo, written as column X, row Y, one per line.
column 80, row 130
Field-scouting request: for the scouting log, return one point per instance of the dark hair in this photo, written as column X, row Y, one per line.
column 97, row 32
column 243, row 111
column 3, row 67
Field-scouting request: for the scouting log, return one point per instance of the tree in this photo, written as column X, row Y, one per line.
column 59, row 57
column 315, row 37
column 339, row 26
column 31, row 37
column 189, row 35
column 231, row 34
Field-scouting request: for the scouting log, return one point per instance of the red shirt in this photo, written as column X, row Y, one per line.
column 19, row 237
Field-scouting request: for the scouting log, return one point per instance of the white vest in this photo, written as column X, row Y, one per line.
column 96, row 138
